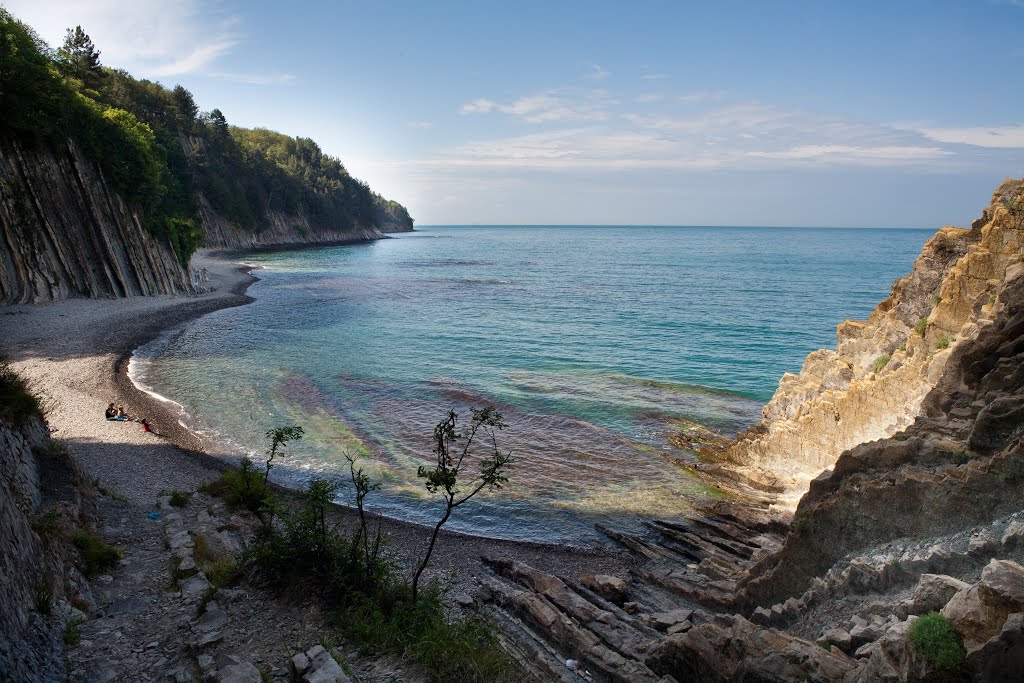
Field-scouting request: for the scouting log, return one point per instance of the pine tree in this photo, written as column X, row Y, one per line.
column 80, row 57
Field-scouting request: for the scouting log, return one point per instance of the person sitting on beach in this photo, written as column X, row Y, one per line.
column 121, row 414
column 110, row 413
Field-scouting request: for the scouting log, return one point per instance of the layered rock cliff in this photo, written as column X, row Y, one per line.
column 874, row 384
column 43, row 497
column 64, row 233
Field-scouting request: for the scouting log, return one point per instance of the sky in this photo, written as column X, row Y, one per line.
column 873, row 113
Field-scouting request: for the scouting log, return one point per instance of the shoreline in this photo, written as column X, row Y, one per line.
column 78, row 374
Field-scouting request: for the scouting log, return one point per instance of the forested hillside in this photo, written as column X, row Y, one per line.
column 157, row 151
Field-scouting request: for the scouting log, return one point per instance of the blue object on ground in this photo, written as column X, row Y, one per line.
column 154, row 515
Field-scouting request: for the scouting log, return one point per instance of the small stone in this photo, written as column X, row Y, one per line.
column 463, row 600
column 981, row 543
column 208, row 639
column 664, row 620
column 630, row 607
column 150, row 646
column 204, row 661
column 611, row 588
column 214, row 617
column 679, row 628
column 840, row 638
column 1013, row 534
column 761, row 616
column 300, row 663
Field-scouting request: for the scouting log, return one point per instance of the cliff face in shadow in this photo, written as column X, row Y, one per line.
column 875, row 383
column 64, row 233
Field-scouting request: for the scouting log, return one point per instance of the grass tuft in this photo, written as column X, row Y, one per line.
column 921, row 326
column 241, row 488
column 96, row 555
column 179, row 499
column 880, row 362
column 933, row 639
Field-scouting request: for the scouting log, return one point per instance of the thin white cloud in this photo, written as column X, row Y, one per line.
column 1003, row 137
column 703, row 96
column 152, row 38
column 647, row 98
column 654, row 77
column 739, row 136
column 854, row 153
column 253, row 78
column 197, row 59
column 564, row 104
column 421, row 125
column 479, row 106
column 597, row 73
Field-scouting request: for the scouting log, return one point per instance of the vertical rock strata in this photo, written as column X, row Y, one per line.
column 875, row 382
column 64, row 233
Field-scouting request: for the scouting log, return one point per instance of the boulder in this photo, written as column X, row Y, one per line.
column 933, row 592
column 1002, row 657
column 611, row 588
column 743, row 651
column 1002, row 583
column 317, row 665
column 840, row 638
column 231, row 669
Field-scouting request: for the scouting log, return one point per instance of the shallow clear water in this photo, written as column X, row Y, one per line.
column 595, row 343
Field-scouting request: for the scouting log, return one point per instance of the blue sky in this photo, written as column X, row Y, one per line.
column 892, row 114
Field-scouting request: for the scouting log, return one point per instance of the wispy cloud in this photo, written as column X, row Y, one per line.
column 196, row 60
column 654, row 77
column 597, row 73
column 703, row 96
column 647, row 98
column 152, row 38
column 732, row 136
column 1004, row 137
column 564, row 104
column 421, row 125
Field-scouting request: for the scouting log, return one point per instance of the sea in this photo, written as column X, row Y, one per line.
column 594, row 343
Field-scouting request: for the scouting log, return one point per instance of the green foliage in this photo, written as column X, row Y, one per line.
column 933, row 639
column 942, row 343
column 73, row 631
column 223, row 573
column 279, row 438
column 921, row 326
column 179, row 499
column 880, row 362
column 43, row 595
column 17, row 404
column 96, row 555
column 303, row 552
column 157, row 151
column 241, row 488
column 449, row 461
column 462, row 649
column 960, row 457
column 47, row 524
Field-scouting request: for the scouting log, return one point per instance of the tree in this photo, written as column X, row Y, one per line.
column 443, row 476
column 185, row 108
column 80, row 57
column 279, row 438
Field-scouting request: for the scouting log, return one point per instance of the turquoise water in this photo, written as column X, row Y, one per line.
column 595, row 343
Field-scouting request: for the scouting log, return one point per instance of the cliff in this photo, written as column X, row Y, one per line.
column 44, row 497
column 65, row 233
column 875, row 383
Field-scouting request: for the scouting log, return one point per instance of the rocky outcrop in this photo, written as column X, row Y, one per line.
column 875, row 383
column 41, row 499
column 64, row 233
column 280, row 229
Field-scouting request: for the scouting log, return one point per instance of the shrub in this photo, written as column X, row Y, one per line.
column 880, row 362
column 223, row 573
column 448, row 649
column 43, row 597
column 243, row 488
column 17, row 403
column 942, row 343
column 933, row 639
column 96, row 555
column 73, row 631
column 921, row 326
column 47, row 524
column 179, row 499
